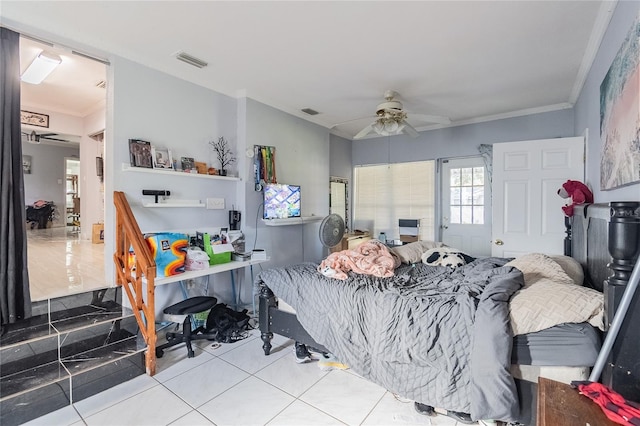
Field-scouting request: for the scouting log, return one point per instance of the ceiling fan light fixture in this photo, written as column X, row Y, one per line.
column 41, row 67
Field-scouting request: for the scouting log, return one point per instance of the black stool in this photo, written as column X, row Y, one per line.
column 193, row 305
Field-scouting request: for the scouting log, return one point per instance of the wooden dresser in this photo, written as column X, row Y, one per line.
column 561, row 405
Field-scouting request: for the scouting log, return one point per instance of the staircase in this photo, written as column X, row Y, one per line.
column 71, row 348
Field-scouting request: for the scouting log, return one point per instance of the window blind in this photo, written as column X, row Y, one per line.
column 384, row 194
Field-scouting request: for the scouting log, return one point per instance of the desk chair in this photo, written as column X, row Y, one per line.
column 188, row 307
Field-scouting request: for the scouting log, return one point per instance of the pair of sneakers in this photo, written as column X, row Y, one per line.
column 429, row 410
column 326, row 361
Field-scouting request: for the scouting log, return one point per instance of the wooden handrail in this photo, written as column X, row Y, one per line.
column 129, row 273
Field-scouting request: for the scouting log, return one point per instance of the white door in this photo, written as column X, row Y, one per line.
column 527, row 214
column 466, row 205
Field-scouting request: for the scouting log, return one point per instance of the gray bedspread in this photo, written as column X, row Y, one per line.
column 432, row 334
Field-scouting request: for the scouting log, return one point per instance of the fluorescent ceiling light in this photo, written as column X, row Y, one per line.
column 41, row 67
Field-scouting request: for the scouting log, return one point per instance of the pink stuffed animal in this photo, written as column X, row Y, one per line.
column 579, row 193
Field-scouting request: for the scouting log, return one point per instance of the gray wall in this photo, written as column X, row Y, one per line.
column 462, row 141
column 169, row 112
column 302, row 158
column 587, row 109
column 340, row 166
column 47, row 169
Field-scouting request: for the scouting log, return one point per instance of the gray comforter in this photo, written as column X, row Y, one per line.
column 432, row 334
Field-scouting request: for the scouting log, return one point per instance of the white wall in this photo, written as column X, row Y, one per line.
column 58, row 122
column 587, row 109
column 92, row 190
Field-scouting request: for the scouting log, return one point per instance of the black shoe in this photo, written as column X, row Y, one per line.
column 302, row 353
column 427, row 410
column 460, row 417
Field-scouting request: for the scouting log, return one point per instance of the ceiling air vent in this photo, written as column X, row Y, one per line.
column 310, row 111
column 101, row 84
column 191, row 60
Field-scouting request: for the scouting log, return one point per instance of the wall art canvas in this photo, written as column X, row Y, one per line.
column 620, row 115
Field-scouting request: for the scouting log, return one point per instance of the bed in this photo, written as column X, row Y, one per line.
column 443, row 336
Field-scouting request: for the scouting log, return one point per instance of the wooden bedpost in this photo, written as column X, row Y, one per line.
column 622, row 370
column 567, row 238
column 266, row 299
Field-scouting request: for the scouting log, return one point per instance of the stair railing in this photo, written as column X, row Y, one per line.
column 130, row 271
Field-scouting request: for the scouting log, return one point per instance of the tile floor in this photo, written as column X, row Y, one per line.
column 60, row 263
column 236, row 384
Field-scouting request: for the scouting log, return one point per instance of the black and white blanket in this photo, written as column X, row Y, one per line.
column 435, row 335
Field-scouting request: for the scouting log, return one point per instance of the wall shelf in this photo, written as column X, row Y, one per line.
column 177, row 203
column 127, row 168
column 292, row 220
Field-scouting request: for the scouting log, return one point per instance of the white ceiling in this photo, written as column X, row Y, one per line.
column 468, row 60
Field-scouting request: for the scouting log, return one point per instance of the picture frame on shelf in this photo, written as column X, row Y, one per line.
column 140, row 154
column 161, row 158
column 188, row 164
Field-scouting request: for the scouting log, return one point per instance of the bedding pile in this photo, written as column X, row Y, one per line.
column 369, row 258
column 439, row 336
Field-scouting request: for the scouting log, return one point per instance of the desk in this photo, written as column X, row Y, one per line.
column 560, row 404
column 213, row 269
column 234, row 265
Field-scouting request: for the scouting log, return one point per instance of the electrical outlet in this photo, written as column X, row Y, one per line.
column 215, row 203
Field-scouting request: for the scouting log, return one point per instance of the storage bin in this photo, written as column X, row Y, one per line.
column 216, row 259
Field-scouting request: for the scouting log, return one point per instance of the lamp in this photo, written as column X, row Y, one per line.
column 388, row 126
column 390, row 122
column 41, row 67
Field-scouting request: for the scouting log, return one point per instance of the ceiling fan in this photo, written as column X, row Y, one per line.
column 391, row 119
column 37, row 138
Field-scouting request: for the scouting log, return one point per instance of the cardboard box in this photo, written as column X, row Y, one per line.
column 409, row 230
column 97, row 233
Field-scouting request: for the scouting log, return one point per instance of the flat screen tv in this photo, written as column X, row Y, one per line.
column 281, row 201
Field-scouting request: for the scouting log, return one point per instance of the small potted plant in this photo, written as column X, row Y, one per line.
column 223, row 153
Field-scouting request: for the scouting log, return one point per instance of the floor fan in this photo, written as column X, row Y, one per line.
column 331, row 230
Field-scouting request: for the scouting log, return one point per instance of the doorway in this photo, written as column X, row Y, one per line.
column 466, row 205
column 72, row 195
column 61, row 257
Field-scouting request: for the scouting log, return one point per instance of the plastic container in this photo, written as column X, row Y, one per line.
column 383, row 238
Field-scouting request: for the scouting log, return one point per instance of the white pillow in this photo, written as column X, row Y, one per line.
column 551, row 297
column 412, row 252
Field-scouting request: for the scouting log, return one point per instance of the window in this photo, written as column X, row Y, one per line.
column 383, row 194
column 467, row 195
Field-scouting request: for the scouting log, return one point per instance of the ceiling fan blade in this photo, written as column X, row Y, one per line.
column 438, row 119
column 53, row 139
column 408, row 129
column 352, row 121
column 364, row 132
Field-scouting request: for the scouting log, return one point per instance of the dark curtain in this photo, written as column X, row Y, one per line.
column 15, row 301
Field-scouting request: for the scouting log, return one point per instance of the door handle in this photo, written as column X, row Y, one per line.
column 445, row 227
column 499, row 242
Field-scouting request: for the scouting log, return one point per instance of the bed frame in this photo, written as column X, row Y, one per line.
column 604, row 238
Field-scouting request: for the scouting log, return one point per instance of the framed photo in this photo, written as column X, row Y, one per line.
column 161, row 158
column 140, row 153
column 34, row 118
column 188, row 163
